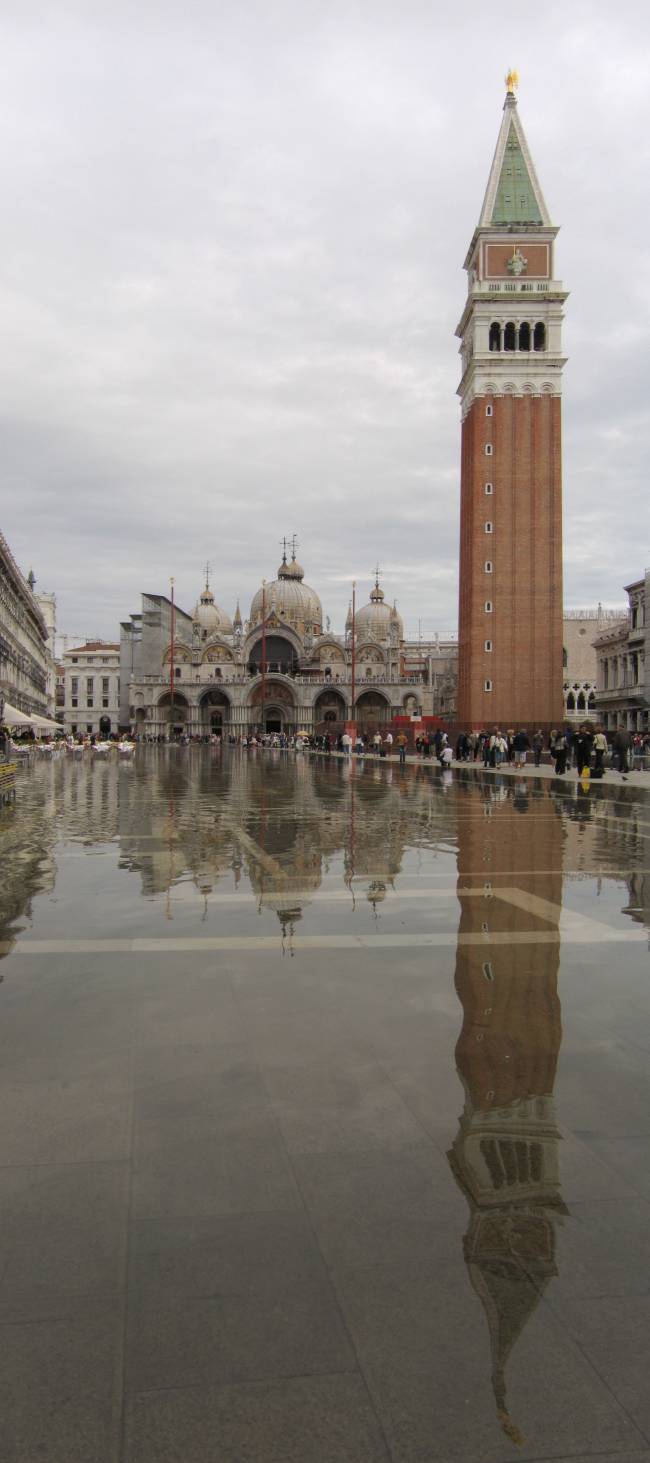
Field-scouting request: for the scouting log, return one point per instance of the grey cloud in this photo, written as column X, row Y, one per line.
column 231, row 275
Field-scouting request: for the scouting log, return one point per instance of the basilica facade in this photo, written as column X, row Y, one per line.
column 280, row 669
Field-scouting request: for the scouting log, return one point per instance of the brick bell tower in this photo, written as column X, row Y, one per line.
column 510, row 613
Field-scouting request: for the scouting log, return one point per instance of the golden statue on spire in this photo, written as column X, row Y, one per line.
column 512, row 80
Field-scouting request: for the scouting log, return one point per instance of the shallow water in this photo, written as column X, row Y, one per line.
column 325, row 1095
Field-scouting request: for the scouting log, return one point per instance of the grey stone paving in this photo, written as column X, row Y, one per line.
column 259, row 1208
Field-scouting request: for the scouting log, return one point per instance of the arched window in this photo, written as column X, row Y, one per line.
column 591, row 699
column 510, row 337
column 487, row 685
column 488, row 606
column 570, row 702
column 488, row 566
column 540, row 336
column 489, row 489
column 524, row 336
column 488, row 645
column 581, row 701
column 495, row 336
column 488, row 527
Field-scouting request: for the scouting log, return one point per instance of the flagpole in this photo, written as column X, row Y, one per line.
column 263, row 656
column 171, row 668
column 354, row 652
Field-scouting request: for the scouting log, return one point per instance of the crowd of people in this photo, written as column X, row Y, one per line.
column 584, row 747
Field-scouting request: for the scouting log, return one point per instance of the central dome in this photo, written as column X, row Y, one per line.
column 292, row 601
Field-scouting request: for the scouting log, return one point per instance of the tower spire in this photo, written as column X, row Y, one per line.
column 513, row 194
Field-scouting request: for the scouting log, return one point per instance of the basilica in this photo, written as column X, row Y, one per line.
column 279, row 669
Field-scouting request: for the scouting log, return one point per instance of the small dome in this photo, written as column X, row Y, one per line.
column 294, row 570
column 375, row 620
column 209, row 617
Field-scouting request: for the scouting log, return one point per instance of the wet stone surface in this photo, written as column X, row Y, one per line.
column 325, row 1098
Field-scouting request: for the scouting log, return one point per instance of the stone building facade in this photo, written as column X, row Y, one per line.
column 92, row 689
column 24, row 653
column 580, row 667
column 510, row 607
column 622, row 652
column 212, row 678
column 47, row 606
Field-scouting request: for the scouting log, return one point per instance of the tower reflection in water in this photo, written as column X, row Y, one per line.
column 505, row 1156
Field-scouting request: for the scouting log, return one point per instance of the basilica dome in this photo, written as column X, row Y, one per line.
column 292, row 600
column 377, row 620
column 210, row 619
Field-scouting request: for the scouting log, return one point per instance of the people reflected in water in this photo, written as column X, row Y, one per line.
column 505, row 1155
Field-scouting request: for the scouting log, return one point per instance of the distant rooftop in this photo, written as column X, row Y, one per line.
column 92, row 645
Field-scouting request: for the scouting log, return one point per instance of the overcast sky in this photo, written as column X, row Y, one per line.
column 231, row 271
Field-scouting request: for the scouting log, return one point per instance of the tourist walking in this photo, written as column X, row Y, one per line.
column 584, row 743
column 600, row 748
column 559, row 750
column 538, row 747
column 621, row 747
column 401, row 747
column 520, row 747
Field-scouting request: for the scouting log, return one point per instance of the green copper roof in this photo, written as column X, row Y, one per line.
column 515, row 201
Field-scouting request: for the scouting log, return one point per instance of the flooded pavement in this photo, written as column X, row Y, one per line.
column 325, row 1097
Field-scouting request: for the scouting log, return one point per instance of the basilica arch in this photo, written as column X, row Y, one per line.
column 175, row 716
column 278, row 710
column 372, row 709
column 214, row 708
column 283, row 648
column 330, row 705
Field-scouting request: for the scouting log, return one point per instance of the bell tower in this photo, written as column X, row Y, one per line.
column 510, row 611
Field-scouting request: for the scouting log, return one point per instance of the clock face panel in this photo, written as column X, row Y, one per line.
column 499, row 257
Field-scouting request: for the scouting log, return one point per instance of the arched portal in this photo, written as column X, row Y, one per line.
column 105, row 725
column 173, row 712
column 272, row 707
column 372, row 710
column 329, row 706
column 215, row 710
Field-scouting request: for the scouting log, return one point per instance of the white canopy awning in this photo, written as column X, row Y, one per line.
column 45, row 723
column 13, row 717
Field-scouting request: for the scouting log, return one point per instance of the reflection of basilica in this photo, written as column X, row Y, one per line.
column 204, row 817
column 505, row 1155
column 217, row 664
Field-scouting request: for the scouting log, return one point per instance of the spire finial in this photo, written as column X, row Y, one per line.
column 294, row 545
column 512, row 81
column 207, row 575
column 284, row 549
column 376, row 572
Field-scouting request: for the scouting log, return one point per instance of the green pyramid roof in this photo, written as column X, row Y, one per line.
column 515, row 201
column 513, row 195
